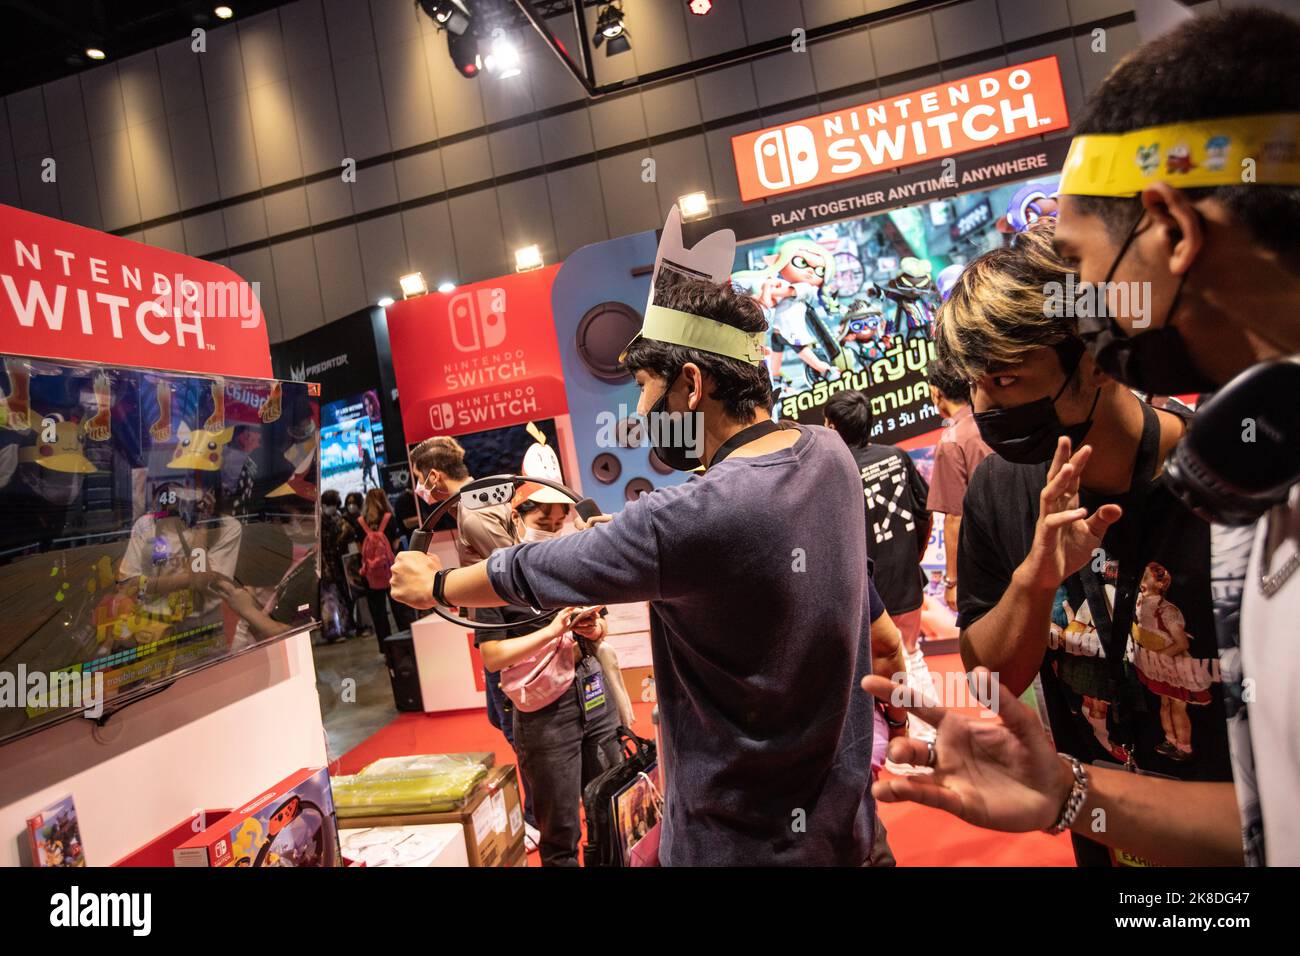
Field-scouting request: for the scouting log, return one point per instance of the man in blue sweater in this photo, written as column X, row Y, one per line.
column 756, row 574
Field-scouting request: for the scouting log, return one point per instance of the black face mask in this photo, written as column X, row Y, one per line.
column 677, row 457
column 1027, row 434
column 1155, row 361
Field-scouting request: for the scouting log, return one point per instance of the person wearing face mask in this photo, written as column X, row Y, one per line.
column 1059, row 526
column 759, row 630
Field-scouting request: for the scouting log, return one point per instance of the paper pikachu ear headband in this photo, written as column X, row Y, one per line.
column 1233, row 151
column 711, row 258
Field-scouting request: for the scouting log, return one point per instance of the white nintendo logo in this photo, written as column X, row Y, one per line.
column 441, row 416
column 478, row 319
column 786, row 157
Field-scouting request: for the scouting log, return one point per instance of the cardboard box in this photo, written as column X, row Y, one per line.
column 492, row 818
column 292, row 824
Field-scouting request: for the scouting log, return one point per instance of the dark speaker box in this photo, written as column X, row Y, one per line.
column 399, row 651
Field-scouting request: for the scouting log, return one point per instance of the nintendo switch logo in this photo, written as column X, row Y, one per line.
column 478, row 319
column 221, row 848
column 786, row 157
column 441, row 416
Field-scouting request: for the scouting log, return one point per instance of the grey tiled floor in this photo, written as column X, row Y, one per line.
column 349, row 722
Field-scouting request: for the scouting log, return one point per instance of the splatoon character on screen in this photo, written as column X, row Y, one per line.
column 914, row 291
column 865, row 332
column 791, row 291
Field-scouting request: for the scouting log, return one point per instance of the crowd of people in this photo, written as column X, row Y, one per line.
column 1156, row 635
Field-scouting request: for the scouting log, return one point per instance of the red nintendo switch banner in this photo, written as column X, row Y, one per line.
column 484, row 356
column 973, row 113
column 74, row 293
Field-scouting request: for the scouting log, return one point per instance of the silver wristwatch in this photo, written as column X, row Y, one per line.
column 1074, row 802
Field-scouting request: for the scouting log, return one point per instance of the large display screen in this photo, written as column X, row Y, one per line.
column 353, row 453
column 851, row 304
column 151, row 523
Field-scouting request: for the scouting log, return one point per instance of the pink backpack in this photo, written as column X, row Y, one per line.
column 537, row 681
column 376, row 555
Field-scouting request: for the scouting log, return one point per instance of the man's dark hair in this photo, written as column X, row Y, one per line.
column 330, row 497
column 740, row 387
column 950, row 385
column 1238, row 63
column 442, row 453
column 850, row 413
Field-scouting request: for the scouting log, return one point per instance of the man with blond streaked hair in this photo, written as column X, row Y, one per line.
column 1058, row 526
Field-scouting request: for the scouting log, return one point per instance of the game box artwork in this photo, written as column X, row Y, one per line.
column 54, row 836
column 292, row 824
column 151, row 523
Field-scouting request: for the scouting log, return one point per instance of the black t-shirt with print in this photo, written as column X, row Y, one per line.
column 895, row 496
column 1171, row 693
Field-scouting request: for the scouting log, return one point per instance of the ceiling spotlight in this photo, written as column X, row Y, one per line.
column 95, row 53
column 611, row 31
column 385, row 302
column 450, row 15
column 413, row 284
column 528, row 258
column 464, row 54
column 700, row 7
column 504, row 58
column 446, row 286
column 693, row 206
column 224, row 12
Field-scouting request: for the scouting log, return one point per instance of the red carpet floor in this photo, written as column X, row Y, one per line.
column 919, row 836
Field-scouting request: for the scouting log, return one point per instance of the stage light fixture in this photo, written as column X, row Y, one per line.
column 693, row 206
column 413, row 284
column 451, row 15
column 700, row 7
column 223, row 12
column 446, row 286
column 611, row 31
column 95, row 53
column 464, row 54
column 528, row 258
column 385, row 302
column 504, row 58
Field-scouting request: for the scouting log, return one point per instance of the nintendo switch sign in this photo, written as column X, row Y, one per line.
column 944, row 120
column 482, row 357
column 74, row 293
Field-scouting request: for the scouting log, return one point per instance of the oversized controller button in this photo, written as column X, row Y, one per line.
column 630, row 432
column 637, row 487
column 658, row 465
column 606, row 468
column 602, row 335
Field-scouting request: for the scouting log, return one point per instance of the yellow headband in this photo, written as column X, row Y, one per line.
column 697, row 332
column 1187, row 155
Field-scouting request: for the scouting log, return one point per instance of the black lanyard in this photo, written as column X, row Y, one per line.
column 743, row 437
column 1113, row 626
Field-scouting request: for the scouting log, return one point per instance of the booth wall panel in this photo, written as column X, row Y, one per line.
column 262, row 50
column 408, row 99
column 298, row 286
column 257, row 266
column 192, row 156
column 783, row 76
column 179, row 75
column 657, row 48
column 578, row 207
column 383, row 254
column 617, row 121
column 118, row 202
column 64, row 106
column 375, row 188
column 671, row 107
column 903, row 45
column 526, row 217
column 965, row 28
column 140, row 88
column 246, row 222
column 329, row 199
column 222, row 64
column 78, row 198
column 456, row 108
column 232, row 143
column 1120, row 41
column 338, row 267
column 723, row 164
column 716, row 33
column 682, row 166
column 467, row 162
column 767, row 19
column 316, row 115
column 480, row 247
column 505, row 99
column 513, row 149
column 396, row 22
column 9, row 194
column 726, row 92
column 818, row 13
column 31, row 135
column 348, row 23
column 429, row 238
column 841, row 61
column 205, row 233
column 155, row 178
column 550, row 82
column 566, row 135
column 275, row 132
column 306, row 44
column 101, row 94
column 419, row 175
column 37, row 195
column 286, row 210
column 631, row 205
column 1027, row 18
column 169, row 235
column 361, row 106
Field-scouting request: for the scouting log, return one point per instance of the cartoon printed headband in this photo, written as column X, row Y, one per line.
column 1232, row 151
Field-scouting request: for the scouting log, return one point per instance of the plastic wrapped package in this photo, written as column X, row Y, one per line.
column 424, row 783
